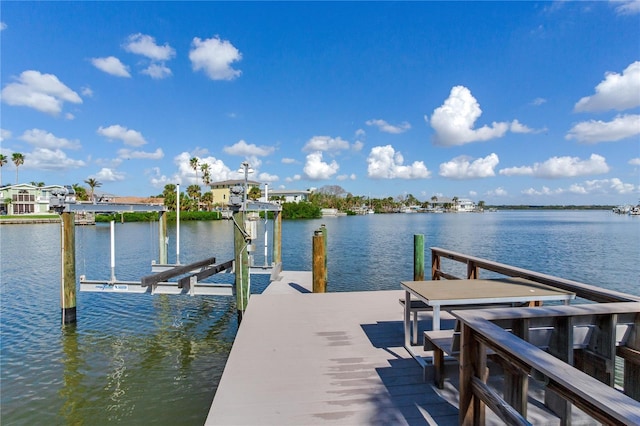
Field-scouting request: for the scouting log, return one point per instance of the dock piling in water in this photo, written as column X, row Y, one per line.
column 68, row 268
column 319, row 263
column 418, row 257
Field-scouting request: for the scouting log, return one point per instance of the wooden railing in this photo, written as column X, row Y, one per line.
column 580, row 374
column 476, row 264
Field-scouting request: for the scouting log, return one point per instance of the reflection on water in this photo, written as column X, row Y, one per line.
column 138, row 359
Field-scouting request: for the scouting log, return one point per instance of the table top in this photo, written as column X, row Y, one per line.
column 480, row 291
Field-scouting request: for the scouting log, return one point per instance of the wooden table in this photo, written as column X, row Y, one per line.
column 439, row 293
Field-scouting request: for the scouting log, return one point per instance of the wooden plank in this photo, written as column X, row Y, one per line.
column 491, row 398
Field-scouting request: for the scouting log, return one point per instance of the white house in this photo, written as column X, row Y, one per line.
column 289, row 195
column 25, row 198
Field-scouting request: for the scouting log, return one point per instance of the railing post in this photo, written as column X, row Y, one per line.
column 473, row 271
column 418, row 257
column 435, row 265
column 162, row 238
column 68, row 268
column 277, row 237
column 473, row 362
column 319, row 272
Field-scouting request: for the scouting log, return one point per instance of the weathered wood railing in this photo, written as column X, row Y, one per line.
column 583, row 377
column 476, row 264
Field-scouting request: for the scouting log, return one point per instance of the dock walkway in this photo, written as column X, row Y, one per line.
column 334, row 358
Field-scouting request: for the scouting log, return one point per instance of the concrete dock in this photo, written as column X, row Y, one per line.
column 333, row 359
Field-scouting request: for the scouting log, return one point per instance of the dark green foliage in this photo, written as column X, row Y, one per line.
column 300, row 210
column 152, row 216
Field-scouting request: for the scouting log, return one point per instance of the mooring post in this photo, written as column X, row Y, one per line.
column 162, row 238
column 241, row 263
column 323, row 228
column 68, row 268
column 277, row 237
column 418, row 257
column 319, row 270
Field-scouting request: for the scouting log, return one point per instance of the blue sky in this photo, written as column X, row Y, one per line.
column 505, row 102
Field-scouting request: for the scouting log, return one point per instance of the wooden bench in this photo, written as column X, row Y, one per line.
column 419, row 306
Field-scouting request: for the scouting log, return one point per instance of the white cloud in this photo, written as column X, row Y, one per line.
column 118, row 132
column 544, row 191
column 385, row 127
column 498, row 192
column 128, row 154
column 622, row 127
column 218, row 171
column 316, row 169
column 561, row 167
column 326, row 144
column 385, row 163
column 4, row 134
column 517, row 127
column 50, row 159
column 453, row 121
column 145, row 45
column 157, row 71
column 86, row 91
column 3, row 26
column 294, row 178
column 357, row 146
column 215, row 56
column 43, row 92
column 288, row 161
column 627, row 7
column 462, row 168
column 538, row 101
column 616, row 91
column 635, row 161
column 241, row 148
column 352, row 176
column 589, row 187
column 266, row 177
column 111, row 65
column 108, row 175
column 44, row 139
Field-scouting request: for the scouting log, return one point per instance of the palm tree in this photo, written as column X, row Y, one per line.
column 194, row 165
column 3, row 161
column 434, row 200
column 455, row 203
column 18, row 160
column 254, row 193
column 93, row 183
column 206, row 176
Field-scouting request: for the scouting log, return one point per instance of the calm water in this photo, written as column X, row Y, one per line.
column 140, row 359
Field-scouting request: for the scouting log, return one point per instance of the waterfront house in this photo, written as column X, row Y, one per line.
column 289, row 195
column 220, row 191
column 25, row 198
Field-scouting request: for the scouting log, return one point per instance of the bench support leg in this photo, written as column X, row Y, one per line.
column 438, row 367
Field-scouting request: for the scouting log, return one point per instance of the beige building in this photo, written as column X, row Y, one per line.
column 220, row 191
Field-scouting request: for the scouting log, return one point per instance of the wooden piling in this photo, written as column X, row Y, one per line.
column 323, row 228
column 277, row 237
column 418, row 257
column 162, row 238
column 68, row 268
column 241, row 257
column 319, row 270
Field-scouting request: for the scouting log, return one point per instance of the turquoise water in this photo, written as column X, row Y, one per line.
column 140, row 359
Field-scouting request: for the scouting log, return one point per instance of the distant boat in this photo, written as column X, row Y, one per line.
column 370, row 211
column 634, row 211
